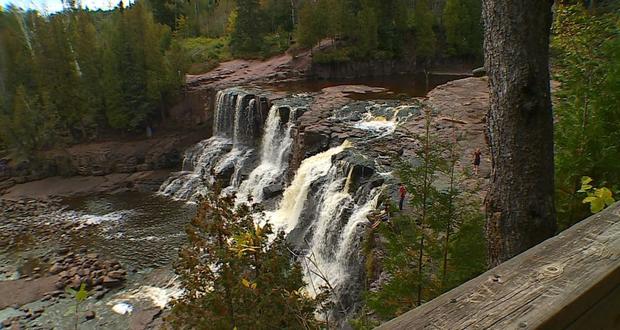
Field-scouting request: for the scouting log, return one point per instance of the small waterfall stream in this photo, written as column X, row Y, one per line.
column 274, row 154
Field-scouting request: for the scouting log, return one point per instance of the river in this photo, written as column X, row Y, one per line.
column 144, row 231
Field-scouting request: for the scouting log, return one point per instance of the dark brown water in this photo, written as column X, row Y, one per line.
column 398, row 87
column 138, row 229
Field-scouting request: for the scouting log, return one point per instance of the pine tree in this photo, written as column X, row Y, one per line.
column 425, row 41
column 88, row 60
column 463, row 27
column 248, row 32
column 235, row 278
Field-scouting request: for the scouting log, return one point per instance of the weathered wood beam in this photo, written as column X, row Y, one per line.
column 569, row 281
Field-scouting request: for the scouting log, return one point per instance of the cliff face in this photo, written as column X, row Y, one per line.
column 103, row 158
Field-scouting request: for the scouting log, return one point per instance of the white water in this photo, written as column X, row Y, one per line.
column 158, row 296
column 319, row 209
column 332, row 248
column 274, row 154
column 197, row 165
column 331, row 252
column 232, row 127
column 294, row 198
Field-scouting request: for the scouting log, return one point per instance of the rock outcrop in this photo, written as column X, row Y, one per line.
column 102, row 159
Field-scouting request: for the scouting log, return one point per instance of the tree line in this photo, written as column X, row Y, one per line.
column 366, row 29
column 70, row 75
column 363, row 29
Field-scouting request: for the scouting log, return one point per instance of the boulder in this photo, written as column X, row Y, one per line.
column 89, row 315
column 272, row 190
column 109, row 282
column 116, row 274
column 56, row 268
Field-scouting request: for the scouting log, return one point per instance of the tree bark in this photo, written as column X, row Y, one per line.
column 519, row 207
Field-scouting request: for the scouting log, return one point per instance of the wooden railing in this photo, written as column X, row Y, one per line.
column 570, row 281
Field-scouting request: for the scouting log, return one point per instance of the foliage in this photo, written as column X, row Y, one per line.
column 364, row 29
column 68, row 75
column 461, row 21
column 79, row 296
column 585, row 49
column 247, row 34
column 205, row 53
column 598, row 198
column 438, row 242
column 425, row 36
column 234, row 277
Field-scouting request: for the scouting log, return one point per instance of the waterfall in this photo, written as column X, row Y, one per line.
column 197, row 164
column 223, row 117
column 324, row 209
column 230, row 158
column 311, row 169
column 274, row 153
column 335, row 248
column 224, row 158
column 324, row 219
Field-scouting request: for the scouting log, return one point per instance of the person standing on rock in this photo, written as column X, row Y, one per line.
column 477, row 154
column 402, row 191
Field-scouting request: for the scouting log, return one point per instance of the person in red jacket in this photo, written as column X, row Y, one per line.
column 402, row 191
column 477, row 154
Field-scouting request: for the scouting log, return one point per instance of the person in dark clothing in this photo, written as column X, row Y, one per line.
column 477, row 154
column 402, row 191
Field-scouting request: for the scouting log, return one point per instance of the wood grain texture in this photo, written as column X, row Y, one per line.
column 569, row 281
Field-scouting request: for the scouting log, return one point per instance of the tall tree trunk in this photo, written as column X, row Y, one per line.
column 519, row 206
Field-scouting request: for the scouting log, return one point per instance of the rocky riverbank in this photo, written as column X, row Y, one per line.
column 121, row 249
column 100, row 167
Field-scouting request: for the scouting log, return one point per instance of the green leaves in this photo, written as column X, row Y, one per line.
column 79, row 295
column 227, row 256
column 585, row 48
column 598, row 198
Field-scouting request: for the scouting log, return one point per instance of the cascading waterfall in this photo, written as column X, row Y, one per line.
column 323, row 219
column 225, row 155
column 311, row 169
column 229, row 157
column 275, row 150
column 324, row 209
column 197, row 163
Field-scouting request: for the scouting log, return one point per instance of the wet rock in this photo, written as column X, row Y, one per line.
column 55, row 293
column 272, row 190
column 89, row 315
column 116, row 274
column 99, row 294
column 284, row 114
column 110, row 282
column 141, row 319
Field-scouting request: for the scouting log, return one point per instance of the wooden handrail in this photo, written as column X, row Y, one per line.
column 570, row 281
